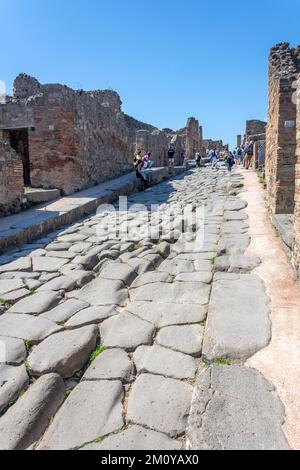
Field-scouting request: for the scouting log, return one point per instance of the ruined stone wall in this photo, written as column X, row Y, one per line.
column 255, row 127
column 281, row 130
column 296, row 251
column 193, row 138
column 11, row 180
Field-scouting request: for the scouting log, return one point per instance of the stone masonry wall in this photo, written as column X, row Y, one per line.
column 296, row 254
column 281, row 131
column 11, row 180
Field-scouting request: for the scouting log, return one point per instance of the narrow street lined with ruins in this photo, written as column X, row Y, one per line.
column 154, row 344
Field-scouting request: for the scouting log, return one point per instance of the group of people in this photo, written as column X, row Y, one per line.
column 243, row 155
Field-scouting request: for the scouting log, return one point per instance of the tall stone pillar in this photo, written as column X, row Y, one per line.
column 193, row 140
column 239, row 140
column 281, row 129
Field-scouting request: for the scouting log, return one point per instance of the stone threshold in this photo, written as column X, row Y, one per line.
column 30, row 225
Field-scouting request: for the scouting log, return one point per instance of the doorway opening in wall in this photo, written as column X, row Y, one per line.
column 20, row 143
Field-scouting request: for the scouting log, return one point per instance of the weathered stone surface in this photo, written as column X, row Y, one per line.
column 104, row 292
column 126, row 331
column 94, row 409
column 21, row 264
column 234, row 244
column 150, row 278
column 236, row 264
column 203, row 265
column 178, row 292
column 12, row 351
column 112, row 364
column 234, row 215
column 65, row 310
column 238, row 320
column 7, row 286
column 25, row 422
column 64, row 353
column 160, row 404
column 90, row 316
column 204, row 277
column 36, row 304
column 235, row 205
column 235, row 409
column 140, row 266
column 16, row 295
column 119, row 272
column 167, row 314
column 136, row 438
column 187, row 339
column 26, row 327
column 72, row 238
column 234, row 227
column 47, row 264
column 79, row 276
column 176, row 266
column 13, row 380
column 59, row 283
column 162, row 361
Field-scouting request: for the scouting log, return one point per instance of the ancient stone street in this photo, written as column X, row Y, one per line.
column 148, row 343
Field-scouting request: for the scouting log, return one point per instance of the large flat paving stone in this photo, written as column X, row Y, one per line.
column 112, row 364
column 59, row 283
column 151, row 278
column 26, row 327
column 178, row 293
column 235, row 409
column 162, row 361
column 12, row 351
column 10, row 285
column 36, row 304
column 26, row 421
column 91, row 316
column 136, row 438
column 236, row 264
column 168, row 314
column 21, row 264
column 234, row 244
column 93, row 410
column 65, row 310
column 104, row 292
column 160, row 404
column 205, row 277
column 13, row 380
column 47, row 264
column 176, row 266
column 119, row 272
column 238, row 323
column 63, row 353
column 126, row 331
column 234, row 215
column 187, row 339
column 235, row 205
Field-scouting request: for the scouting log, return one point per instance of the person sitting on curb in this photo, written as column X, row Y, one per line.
column 138, row 165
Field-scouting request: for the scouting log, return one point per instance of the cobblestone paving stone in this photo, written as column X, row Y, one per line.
column 125, row 335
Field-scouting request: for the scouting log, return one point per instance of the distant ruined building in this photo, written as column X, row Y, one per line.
column 54, row 137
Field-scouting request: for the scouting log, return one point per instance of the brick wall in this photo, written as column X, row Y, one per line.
column 11, row 180
column 281, row 131
column 296, row 254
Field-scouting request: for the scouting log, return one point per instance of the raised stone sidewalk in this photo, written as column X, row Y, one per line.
column 32, row 224
column 117, row 344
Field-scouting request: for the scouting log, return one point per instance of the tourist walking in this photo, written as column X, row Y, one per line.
column 230, row 161
column 171, row 156
column 198, row 159
column 138, row 165
column 214, row 159
column 249, row 155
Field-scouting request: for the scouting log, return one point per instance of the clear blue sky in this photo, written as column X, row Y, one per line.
column 168, row 59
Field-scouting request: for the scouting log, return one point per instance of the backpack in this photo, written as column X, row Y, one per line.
column 249, row 150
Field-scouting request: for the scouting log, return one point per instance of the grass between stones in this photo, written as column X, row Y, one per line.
column 99, row 350
column 6, row 303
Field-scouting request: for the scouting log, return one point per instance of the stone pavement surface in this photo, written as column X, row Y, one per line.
column 140, row 342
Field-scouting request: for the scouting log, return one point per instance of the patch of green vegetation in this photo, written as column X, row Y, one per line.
column 99, row 350
column 222, row 362
column 124, row 428
column 27, row 367
column 21, row 393
column 277, row 233
column 137, row 246
column 203, row 323
column 6, row 303
column 27, row 345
